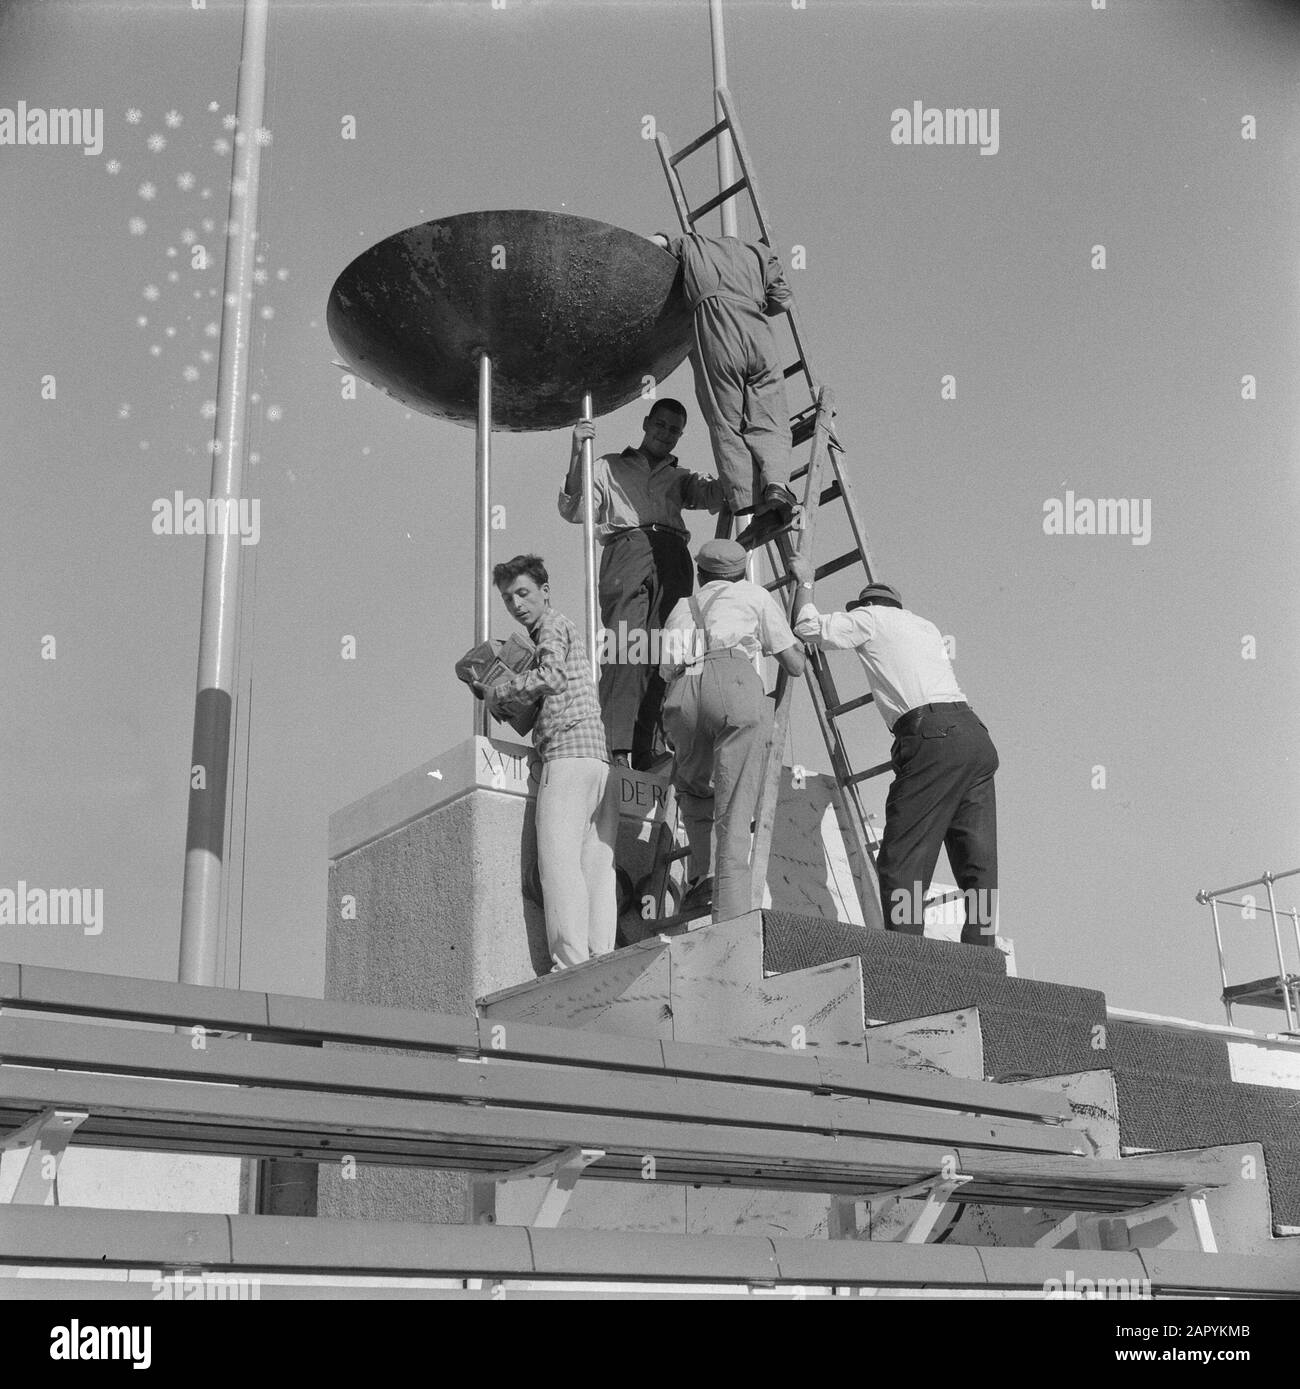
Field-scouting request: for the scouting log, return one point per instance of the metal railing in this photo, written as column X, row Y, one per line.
column 1284, row 991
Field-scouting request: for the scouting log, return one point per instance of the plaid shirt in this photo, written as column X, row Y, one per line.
column 568, row 724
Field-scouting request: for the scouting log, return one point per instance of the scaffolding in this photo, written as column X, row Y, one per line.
column 1281, row 991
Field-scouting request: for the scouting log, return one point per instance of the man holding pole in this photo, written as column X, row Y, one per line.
column 645, row 564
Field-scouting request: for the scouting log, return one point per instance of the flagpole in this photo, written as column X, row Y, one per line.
column 726, row 165
column 483, row 525
column 201, row 932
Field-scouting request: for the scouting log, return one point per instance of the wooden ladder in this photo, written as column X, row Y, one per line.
column 813, row 425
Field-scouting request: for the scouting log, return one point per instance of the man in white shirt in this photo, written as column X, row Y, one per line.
column 718, row 718
column 944, row 760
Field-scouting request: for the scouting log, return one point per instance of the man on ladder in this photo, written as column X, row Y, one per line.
column 733, row 288
column 943, row 758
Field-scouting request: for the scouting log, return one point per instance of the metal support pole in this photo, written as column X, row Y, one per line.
column 483, row 523
column 726, row 165
column 1281, row 959
column 589, row 546
column 1295, row 931
column 200, row 949
column 1223, row 970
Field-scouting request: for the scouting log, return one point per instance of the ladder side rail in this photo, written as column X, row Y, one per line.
column 853, row 815
column 764, row 225
column 848, row 496
column 765, row 816
column 674, row 181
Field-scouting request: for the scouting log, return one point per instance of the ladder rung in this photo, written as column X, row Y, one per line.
column 870, row 772
column 835, row 711
column 831, row 493
column 802, row 427
column 793, row 369
column 711, row 134
column 835, row 565
column 693, row 217
column 832, row 566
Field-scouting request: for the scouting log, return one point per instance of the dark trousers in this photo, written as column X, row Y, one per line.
column 643, row 575
column 942, row 796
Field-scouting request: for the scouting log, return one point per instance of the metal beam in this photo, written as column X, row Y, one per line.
column 46, row 1137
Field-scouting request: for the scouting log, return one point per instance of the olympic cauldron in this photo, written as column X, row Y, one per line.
column 561, row 305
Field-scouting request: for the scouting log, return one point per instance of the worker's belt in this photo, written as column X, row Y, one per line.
column 906, row 723
column 654, row 526
column 726, row 299
column 716, row 653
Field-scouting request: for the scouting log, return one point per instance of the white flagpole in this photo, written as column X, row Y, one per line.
column 201, row 932
column 726, row 166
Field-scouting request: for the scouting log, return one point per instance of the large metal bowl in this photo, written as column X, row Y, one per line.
column 561, row 304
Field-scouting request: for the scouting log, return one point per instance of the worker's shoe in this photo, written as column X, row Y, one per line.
column 699, row 897
column 774, row 515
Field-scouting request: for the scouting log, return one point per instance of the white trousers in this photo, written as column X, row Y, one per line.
column 577, row 825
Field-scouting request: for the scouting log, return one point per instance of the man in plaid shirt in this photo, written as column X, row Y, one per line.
column 577, row 797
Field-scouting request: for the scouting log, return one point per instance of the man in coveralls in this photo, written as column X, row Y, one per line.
column 734, row 287
column 944, row 760
column 645, row 565
column 719, row 719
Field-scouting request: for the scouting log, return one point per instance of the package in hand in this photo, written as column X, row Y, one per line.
column 491, row 663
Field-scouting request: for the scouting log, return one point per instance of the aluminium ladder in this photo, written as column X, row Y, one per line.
column 812, row 424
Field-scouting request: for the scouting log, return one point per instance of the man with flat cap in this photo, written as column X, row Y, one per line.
column 943, row 758
column 718, row 718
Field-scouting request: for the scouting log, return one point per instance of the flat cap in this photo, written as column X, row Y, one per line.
column 873, row 591
column 723, row 558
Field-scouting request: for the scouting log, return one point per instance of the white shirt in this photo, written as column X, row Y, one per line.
column 902, row 653
column 741, row 614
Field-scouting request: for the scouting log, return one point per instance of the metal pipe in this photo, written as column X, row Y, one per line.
column 1245, row 906
column 483, row 523
column 200, row 944
column 1281, row 960
column 1223, row 972
column 1205, row 894
column 726, row 166
column 589, row 545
